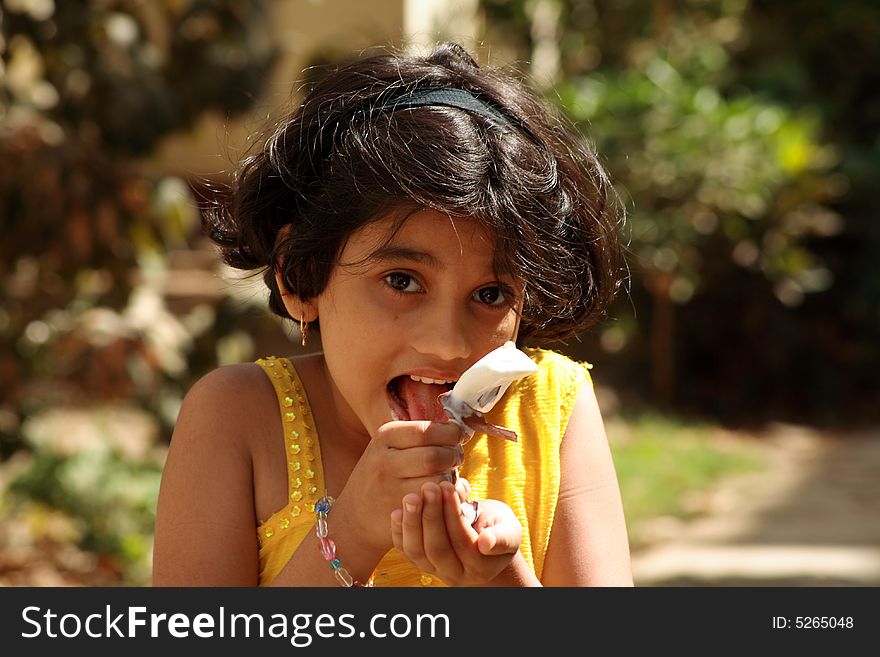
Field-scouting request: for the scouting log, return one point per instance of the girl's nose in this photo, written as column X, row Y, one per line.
column 443, row 333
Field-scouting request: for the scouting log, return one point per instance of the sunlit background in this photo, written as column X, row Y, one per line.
column 738, row 374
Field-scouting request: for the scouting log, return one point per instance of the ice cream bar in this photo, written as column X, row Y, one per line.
column 480, row 388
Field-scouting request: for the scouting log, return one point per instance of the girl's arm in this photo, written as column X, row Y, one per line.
column 205, row 520
column 588, row 543
column 206, row 524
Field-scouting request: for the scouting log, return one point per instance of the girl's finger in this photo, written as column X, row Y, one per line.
column 424, row 461
column 397, row 529
column 417, row 433
column 463, row 488
column 416, row 484
column 411, row 539
column 495, row 540
column 461, row 535
column 436, row 539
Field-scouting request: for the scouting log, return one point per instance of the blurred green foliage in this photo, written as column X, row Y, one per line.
column 743, row 139
column 666, row 466
column 100, row 466
column 86, row 89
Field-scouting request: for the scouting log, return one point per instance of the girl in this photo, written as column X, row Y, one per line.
column 421, row 211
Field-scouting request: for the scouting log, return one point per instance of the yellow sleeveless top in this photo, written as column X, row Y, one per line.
column 525, row 475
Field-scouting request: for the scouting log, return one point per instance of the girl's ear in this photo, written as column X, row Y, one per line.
column 296, row 307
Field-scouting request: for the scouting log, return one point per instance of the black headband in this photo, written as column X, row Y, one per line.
column 447, row 97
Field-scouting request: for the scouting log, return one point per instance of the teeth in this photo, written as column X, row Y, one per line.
column 425, row 379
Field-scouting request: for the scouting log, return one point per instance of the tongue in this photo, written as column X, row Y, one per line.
column 421, row 400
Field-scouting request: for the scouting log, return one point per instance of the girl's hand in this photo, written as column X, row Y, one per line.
column 431, row 531
column 401, row 458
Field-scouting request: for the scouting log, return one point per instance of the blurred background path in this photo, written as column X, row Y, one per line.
column 811, row 518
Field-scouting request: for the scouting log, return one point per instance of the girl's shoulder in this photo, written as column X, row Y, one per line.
column 549, row 357
column 550, row 394
column 240, row 385
column 235, row 404
column 557, row 368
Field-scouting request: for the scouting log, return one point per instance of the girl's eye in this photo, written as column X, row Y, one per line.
column 402, row 282
column 491, row 296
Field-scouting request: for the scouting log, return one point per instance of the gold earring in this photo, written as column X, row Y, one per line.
column 304, row 329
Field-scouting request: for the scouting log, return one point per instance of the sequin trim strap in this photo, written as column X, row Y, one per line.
column 303, row 457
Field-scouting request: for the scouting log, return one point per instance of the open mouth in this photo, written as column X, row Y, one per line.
column 415, row 398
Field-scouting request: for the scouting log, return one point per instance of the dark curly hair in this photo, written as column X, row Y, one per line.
column 337, row 163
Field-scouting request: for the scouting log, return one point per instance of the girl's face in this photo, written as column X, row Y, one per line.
column 425, row 304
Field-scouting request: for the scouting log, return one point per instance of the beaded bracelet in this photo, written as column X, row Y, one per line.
column 328, row 546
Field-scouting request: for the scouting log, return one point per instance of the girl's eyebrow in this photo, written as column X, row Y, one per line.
column 395, row 252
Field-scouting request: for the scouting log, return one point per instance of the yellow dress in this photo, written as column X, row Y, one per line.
column 525, row 475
